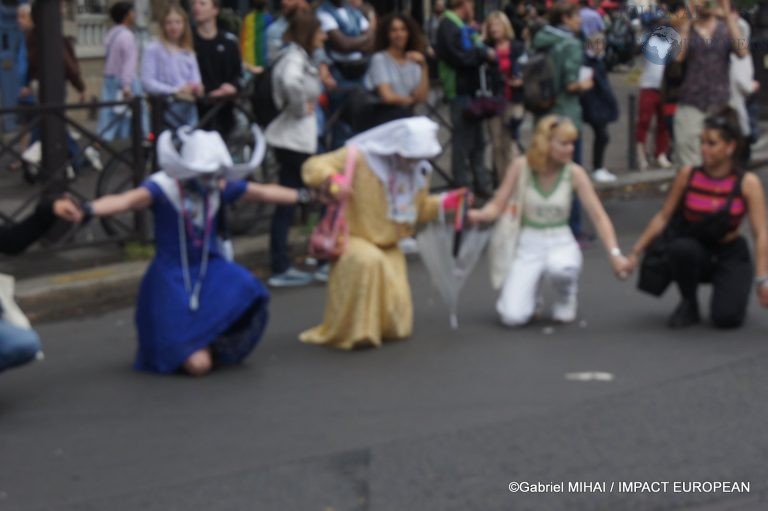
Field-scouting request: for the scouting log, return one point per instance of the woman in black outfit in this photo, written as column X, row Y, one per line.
column 704, row 210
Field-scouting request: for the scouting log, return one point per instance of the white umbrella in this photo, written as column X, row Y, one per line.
column 449, row 273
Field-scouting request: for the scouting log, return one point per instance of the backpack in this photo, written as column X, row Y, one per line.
column 263, row 104
column 539, row 90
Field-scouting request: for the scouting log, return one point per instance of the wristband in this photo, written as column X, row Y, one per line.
column 615, row 252
column 87, row 208
column 304, row 196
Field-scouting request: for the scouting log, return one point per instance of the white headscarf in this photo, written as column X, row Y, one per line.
column 204, row 153
column 412, row 138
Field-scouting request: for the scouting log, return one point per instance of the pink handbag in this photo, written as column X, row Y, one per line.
column 329, row 238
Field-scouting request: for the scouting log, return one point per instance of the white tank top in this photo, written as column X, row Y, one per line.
column 551, row 209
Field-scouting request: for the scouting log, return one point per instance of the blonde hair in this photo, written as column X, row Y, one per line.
column 509, row 32
column 547, row 128
column 185, row 41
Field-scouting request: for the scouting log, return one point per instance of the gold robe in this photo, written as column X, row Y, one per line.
column 368, row 298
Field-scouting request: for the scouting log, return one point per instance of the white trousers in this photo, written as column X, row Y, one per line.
column 542, row 255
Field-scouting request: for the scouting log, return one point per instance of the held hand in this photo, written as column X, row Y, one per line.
column 127, row 93
column 452, row 199
column 762, row 295
column 66, row 209
column 476, row 216
column 25, row 92
column 310, row 107
column 491, row 54
column 620, row 266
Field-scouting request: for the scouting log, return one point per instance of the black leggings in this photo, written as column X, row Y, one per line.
column 600, row 145
column 727, row 266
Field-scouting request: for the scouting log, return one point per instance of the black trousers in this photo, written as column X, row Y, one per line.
column 290, row 175
column 600, row 145
column 727, row 266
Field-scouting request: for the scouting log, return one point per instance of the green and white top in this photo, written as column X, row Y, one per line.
column 546, row 210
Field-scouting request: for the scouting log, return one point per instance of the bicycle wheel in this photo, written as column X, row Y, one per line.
column 118, row 177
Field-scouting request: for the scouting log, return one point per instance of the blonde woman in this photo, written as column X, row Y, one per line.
column 504, row 129
column 546, row 248
column 169, row 67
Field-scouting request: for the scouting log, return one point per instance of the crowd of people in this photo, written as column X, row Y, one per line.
column 339, row 59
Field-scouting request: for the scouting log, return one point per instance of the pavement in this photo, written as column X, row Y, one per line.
column 441, row 422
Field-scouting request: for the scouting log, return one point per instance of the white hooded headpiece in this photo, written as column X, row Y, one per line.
column 204, row 153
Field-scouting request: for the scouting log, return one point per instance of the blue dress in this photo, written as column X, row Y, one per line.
column 232, row 311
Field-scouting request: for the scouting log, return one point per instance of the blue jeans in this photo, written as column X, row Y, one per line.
column 17, row 345
column 282, row 219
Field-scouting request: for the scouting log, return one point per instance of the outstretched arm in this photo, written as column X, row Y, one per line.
column 496, row 205
column 662, row 218
column 752, row 189
column 600, row 220
column 132, row 200
column 273, row 194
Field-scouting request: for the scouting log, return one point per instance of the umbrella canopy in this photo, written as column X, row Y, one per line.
column 449, row 273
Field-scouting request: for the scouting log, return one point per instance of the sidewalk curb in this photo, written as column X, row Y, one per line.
column 70, row 294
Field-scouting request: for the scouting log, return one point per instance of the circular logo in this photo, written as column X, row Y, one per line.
column 662, row 45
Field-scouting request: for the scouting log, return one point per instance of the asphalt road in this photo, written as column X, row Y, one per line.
column 443, row 421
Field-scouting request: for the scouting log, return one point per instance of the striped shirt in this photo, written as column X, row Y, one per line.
column 706, row 195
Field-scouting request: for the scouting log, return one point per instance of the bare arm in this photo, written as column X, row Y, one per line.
column 752, row 189
column 591, row 202
column 390, row 97
column 273, row 194
column 346, row 44
column 421, row 92
column 660, row 220
column 132, row 200
column 496, row 205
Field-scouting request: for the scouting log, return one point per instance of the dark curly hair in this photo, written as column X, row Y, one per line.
column 726, row 122
column 416, row 40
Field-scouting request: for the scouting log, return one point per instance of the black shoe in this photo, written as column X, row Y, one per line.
column 685, row 315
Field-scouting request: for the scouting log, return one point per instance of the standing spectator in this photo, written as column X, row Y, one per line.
column 504, row 128
column 743, row 85
column 559, row 39
column 218, row 55
column 432, row 24
column 430, row 30
column 120, row 80
column 461, row 54
column 711, row 39
column 705, row 246
column 517, row 14
column 293, row 133
column 254, row 42
column 169, row 67
column 19, row 346
column 74, row 77
column 350, row 41
column 591, row 21
column 674, row 73
column 277, row 28
column 398, row 72
column 599, row 106
column 652, row 104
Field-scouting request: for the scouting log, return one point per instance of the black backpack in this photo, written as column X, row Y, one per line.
column 539, row 90
column 262, row 100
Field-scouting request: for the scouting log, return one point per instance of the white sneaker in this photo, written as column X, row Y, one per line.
column 604, row 176
column 642, row 159
column 94, row 158
column 565, row 311
column 663, row 162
